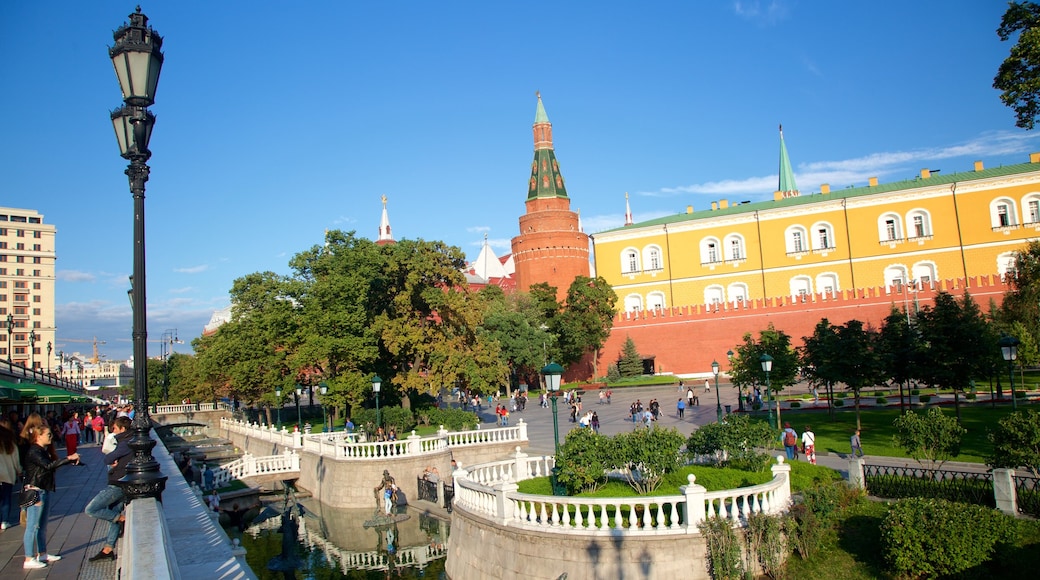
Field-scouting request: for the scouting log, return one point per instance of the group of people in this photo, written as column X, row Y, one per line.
column 590, row 419
column 28, row 454
column 793, row 444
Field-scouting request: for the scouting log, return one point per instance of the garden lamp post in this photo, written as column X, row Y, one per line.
column 740, row 390
column 10, row 329
column 48, row 357
column 137, row 58
column 32, row 349
column 718, row 400
column 1009, row 349
column 278, row 400
column 767, row 367
column 323, row 388
column 299, row 417
column 553, row 373
column 376, row 384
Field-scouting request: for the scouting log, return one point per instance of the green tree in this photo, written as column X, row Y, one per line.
column 733, row 443
column 818, row 357
column 959, row 344
column 630, row 363
column 931, row 436
column 516, row 324
column 1016, row 442
column 583, row 461
column 857, row 365
column 1018, row 77
column 897, row 348
column 746, row 367
column 585, row 321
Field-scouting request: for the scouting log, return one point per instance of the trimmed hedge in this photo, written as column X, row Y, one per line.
column 796, row 405
column 924, row 398
column 936, row 538
column 881, row 401
column 839, row 403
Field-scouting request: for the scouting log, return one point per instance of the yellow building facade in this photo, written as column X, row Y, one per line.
column 934, row 227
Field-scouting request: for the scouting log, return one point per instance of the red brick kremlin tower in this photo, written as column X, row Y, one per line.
column 551, row 246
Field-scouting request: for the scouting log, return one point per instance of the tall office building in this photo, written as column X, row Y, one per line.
column 27, row 261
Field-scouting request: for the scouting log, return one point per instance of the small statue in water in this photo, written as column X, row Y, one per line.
column 389, row 492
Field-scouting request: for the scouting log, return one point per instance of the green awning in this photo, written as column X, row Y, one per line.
column 8, row 394
column 40, row 393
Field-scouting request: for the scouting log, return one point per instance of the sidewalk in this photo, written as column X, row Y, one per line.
column 70, row 533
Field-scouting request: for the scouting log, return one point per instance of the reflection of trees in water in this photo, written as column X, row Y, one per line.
column 335, row 540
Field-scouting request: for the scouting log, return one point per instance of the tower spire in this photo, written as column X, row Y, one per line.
column 787, row 186
column 546, row 179
column 628, row 211
column 385, row 237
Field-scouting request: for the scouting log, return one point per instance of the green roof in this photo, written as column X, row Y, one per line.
column 539, row 113
column 787, row 183
column 40, row 393
column 848, row 193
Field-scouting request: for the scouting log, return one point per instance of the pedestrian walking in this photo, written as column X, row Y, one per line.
column 71, row 430
column 10, row 471
column 809, row 444
column 707, row 386
column 790, row 439
column 681, row 407
column 857, row 446
column 681, row 387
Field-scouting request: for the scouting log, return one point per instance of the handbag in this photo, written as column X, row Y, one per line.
column 28, row 497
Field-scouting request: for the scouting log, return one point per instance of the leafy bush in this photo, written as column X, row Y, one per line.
column 452, row 419
column 804, row 532
column 647, row 454
column 881, row 401
column 766, row 543
column 839, row 403
column 825, row 501
column 930, row 436
column 796, row 405
column 936, row 538
column 840, row 395
column 613, row 374
column 1016, row 442
column 924, row 398
column 583, row 461
column 915, row 392
column 1020, row 394
column 733, row 442
column 971, row 396
column 725, row 561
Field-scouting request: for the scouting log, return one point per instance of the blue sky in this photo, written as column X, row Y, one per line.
column 279, row 120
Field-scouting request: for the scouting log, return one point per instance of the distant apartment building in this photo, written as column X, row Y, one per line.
column 27, row 260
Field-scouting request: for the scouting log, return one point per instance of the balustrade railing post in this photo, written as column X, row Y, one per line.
column 249, row 463
column 1004, row 491
column 856, row 478
column 520, row 470
column 783, row 496
column 693, row 513
column 503, row 507
column 414, row 444
column 521, row 430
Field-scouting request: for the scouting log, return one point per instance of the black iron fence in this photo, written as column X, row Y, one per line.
column 449, row 496
column 899, row 482
column 427, row 490
column 1027, row 490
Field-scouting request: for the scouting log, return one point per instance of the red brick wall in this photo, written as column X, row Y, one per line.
column 685, row 340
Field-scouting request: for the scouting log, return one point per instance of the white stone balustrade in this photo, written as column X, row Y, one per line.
column 341, row 445
column 489, row 491
column 191, row 408
column 250, row 465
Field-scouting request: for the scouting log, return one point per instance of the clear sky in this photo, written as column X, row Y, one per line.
column 279, row 120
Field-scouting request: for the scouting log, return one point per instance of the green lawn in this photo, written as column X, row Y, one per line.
column 833, row 436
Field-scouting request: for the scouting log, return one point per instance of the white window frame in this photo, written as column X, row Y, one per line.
column 828, row 230
column 630, row 261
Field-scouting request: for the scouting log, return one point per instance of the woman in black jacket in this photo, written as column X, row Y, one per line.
column 39, row 470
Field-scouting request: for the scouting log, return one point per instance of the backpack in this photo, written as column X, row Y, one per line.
column 789, row 438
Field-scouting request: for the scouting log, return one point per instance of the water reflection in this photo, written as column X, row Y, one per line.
column 355, row 543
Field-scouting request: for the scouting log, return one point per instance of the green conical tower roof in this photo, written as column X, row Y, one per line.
column 787, row 186
column 546, row 179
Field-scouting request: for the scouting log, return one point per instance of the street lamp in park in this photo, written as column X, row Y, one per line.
column 278, row 397
column 48, row 357
column 10, row 330
column 323, row 388
column 767, row 367
column 377, row 383
column 1009, row 350
column 32, row 349
column 299, row 417
column 553, row 373
column 718, row 400
column 740, row 390
column 137, row 58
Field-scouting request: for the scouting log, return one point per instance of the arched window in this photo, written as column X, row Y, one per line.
column 738, row 293
column 630, row 261
column 1031, row 208
column 652, row 258
column 633, row 303
column 827, row 284
column 795, row 238
column 890, row 227
column 735, row 247
column 801, row 287
column 1005, row 264
column 822, row 236
column 713, row 296
column 923, row 274
column 920, row 224
column 1003, row 213
column 711, row 251
column 655, row 301
column 895, row 276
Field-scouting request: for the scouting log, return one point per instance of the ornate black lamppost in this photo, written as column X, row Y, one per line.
column 278, row 395
column 377, row 383
column 552, row 373
column 718, row 399
column 32, row 349
column 1009, row 350
column 299, row 417
column 48, row 357
column 323, row 388
column 767, row 366
column 740, row 390
column 10, row 329
column 137, row 58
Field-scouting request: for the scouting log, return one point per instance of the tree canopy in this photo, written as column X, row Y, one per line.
column 1018, row 77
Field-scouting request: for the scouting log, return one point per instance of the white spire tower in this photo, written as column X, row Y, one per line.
column 384, row 227
column 628, row 211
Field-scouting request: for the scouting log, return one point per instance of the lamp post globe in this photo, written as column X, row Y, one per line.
column 137, row 59
column 377, row 383
column 278, row 400
column 1009, row 350
column 552, row 373
column 48, row 357
column 767, row 367
column 32, row 349
column 718, row 399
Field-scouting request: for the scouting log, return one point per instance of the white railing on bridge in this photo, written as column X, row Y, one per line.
column 250, row 465
column 342, row 445
column 190, row 408
column 489, row 491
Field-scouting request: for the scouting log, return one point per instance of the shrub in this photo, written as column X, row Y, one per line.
column 766, row 543
column 930, row 436
column 826, row 500
column 647, row 454
column 881, row 401
column 1020, row 394
column 924, row 398
column 839, row 403
column 915, row 392
column 583, row 461
column 613, row 374
column 1016, row 442
column 452, row 419
column 936, row 538
column 733, row 442
column 840, row 395
column 804, row 532
column 971, row 396
column 796, row 405
column 724, row 560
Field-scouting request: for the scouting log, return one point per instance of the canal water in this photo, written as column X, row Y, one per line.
column 346, row 543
